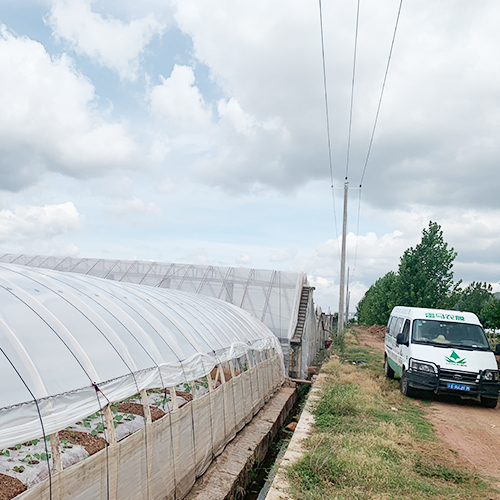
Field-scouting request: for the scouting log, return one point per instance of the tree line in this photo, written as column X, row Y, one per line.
column 425, row 279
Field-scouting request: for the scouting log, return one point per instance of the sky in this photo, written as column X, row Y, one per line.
column 194, row 131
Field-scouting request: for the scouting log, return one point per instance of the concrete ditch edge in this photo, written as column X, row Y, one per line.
column 229, row 474
column 295, row 450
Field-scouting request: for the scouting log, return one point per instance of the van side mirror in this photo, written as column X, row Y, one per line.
column 400, row 339
column 497, row 349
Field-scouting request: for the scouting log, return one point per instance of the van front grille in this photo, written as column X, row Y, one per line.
column 459, row 377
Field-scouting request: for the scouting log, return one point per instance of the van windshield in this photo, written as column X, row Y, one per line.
column 447, row 334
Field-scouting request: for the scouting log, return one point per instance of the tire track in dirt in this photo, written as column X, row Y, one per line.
column 471, row 430
column 464, row 426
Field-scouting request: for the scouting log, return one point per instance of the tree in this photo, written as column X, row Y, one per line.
column 474, row 297
column 376, row 305
column 490, row 314
column 425, row 277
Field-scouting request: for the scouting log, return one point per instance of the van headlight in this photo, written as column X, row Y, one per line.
column 422, row 366
column 490, row 375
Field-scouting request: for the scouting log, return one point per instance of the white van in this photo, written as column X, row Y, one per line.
column 441, row 351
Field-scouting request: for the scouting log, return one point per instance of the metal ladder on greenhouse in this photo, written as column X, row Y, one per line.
column 296, row 340
column 304, row 299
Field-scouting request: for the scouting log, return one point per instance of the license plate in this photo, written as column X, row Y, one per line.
column 458, row 387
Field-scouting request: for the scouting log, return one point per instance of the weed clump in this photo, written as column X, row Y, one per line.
column 450, row 474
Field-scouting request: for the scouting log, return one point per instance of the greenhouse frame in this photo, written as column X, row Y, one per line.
column 162, row 378
column 282, row 300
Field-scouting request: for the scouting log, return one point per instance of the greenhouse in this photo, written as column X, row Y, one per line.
column 116, row 390
column 282, row 300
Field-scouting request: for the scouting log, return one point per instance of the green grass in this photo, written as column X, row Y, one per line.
column 370, row 442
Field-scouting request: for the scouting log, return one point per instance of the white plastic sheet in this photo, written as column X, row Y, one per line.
column 64, row 335
column 163, row 460
column 270, row 296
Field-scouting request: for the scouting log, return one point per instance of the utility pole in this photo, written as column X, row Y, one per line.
column 340, row 326
column 348, row 296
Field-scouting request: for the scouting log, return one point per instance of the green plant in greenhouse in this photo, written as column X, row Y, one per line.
column 30, row 459
column 33, row 442
column 98, row 429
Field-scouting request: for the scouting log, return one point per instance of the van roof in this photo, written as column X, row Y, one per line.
column 424, row 313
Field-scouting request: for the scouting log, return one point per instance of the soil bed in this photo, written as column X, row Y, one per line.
column 10, row 487
column 138, row 409
column 92, row 444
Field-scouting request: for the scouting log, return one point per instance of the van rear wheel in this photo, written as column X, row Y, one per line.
column 389, row 372
column 406, row 390
column 489, row 402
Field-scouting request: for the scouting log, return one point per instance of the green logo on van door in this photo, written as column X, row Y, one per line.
column 455, row 359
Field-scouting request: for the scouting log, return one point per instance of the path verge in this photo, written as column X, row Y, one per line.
column 364, row 440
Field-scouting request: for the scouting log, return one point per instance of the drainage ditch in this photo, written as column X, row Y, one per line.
column 262, row 474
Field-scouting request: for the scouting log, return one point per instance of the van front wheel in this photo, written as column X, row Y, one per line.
column 406, row 390
column 489, row 402
column 389, row 372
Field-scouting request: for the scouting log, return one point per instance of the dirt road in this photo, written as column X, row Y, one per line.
column 463, row 425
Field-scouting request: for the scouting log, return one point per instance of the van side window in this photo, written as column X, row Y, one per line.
column 388, row 329
column 406, row 330
column 392, row 324
column 396, row 326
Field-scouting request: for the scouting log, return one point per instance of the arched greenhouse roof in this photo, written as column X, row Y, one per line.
column 270, row 296
column 70, row 343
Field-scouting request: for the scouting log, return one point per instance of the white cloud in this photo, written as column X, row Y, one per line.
column 246, row 152
column 27, row 223
column 243, row 259
column 134, row 211
column 270, row 120
column 178, row 104
column 159, row 151
column 473, row 234
column 167, row 186
column 437, row 137
column 283, row 254
column 109, row 41
column 49, row 118
column 70, row 250
column 242, row 122
column 376, row 255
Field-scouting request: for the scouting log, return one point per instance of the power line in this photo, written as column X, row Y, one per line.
column 328, row 121
column 381, row 94
column 373, row 134
column 352, row 93
column 357, row 234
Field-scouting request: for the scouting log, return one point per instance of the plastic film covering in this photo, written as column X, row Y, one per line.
column 270, row 296
column 163, row 460
column 70, row 344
